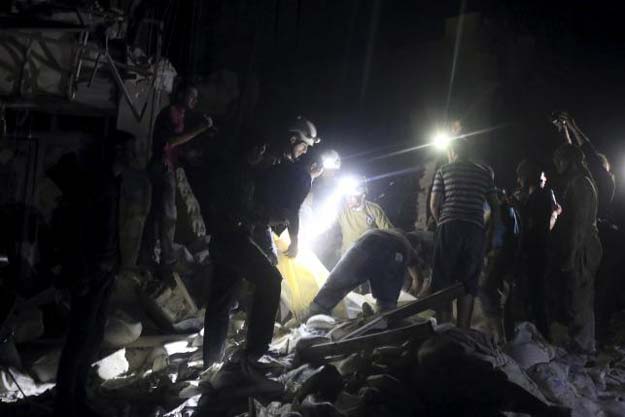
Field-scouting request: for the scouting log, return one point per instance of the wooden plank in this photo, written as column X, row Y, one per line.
column 443, row 296
column 318, row 352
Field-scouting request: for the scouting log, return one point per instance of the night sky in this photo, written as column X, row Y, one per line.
column 375, row 75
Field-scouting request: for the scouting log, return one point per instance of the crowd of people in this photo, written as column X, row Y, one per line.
column 542, row 244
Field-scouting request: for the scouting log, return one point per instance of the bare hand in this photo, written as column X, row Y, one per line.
column 208, row 121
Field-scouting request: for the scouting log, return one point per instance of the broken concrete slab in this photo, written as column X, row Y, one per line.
column 121, row 330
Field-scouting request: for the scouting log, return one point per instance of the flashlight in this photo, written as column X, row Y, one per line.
column 441, row 141
column 348, row 185
column 331, row 160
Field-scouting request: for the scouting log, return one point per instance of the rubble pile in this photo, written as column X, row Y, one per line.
column 393, row 364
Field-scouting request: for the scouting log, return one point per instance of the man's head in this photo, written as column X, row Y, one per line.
column 302, row 134
column 528, row 173
column 458, row 150
column 187, row 95
column 568, row 158
column 355, row 198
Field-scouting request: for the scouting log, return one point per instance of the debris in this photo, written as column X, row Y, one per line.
column 46, row 366
column 121, row 330
column 113, row 365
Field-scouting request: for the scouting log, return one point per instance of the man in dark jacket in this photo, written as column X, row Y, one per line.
column 538, row 208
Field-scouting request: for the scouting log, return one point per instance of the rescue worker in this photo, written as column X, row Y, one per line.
column 459, row 193
column 577, row 247
column 381, row 257
column 282, row 188
column 358, row 216
column 171, row 131
column 240, row 205
column 88, row 221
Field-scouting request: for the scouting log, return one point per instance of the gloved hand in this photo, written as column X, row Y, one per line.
column 293, row 249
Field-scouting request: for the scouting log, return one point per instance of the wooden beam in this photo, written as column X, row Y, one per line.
column 436, row 299
column 316, row 353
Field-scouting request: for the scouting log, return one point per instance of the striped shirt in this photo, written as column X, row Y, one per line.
column 464, row 186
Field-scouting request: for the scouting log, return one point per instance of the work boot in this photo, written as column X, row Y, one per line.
column 312, row 310
column 244, row 373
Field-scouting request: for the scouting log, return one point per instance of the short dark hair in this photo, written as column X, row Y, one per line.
column 530, row 170
column 181, row 89
column 460, row 146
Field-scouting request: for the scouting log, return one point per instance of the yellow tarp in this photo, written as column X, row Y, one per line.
column 303, row 276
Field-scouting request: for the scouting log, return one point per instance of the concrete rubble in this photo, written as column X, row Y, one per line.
column 399, row 363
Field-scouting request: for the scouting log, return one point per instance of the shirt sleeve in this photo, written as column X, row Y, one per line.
column 381, row 220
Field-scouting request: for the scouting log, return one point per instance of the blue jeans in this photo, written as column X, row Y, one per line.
column 383, row 270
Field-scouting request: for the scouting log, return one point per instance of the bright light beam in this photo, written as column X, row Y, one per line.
column 427, row 145
column 441, row 141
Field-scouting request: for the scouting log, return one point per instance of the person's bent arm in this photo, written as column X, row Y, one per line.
column 185, row 137
column 436, row 200
column 293, row 220
column 495, row 209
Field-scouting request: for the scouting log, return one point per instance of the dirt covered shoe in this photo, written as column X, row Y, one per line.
column 244, row 376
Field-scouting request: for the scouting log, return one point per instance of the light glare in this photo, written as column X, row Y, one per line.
column 441, row 141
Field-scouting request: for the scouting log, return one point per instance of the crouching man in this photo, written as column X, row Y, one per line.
column 382, row 257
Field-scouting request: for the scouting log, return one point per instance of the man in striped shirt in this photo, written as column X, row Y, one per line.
column 460, row 190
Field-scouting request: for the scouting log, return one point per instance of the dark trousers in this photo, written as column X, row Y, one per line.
column 536, row 295
column 580, row 295
column 458, row 255
column 86, row 331
column 236, row 258
column 161, row 222
column 358, row 266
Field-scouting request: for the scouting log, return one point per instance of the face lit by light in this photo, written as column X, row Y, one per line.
column 348, row 185
column 441, row 141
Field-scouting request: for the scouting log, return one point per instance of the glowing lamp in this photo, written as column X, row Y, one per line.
column 441, row 141
column 332, row 162
column 349, row 185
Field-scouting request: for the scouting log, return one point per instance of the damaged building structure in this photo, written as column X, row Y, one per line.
column 73, row 74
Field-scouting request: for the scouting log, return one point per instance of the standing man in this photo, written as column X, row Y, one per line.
column 538, row 208
column 170, row 132
column 244, row 203
column 577, row 246
column 282, row 188
column 88, row 221
column 460, row 190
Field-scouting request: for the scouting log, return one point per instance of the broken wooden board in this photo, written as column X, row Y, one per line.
column 436, row 299
column 316, row 353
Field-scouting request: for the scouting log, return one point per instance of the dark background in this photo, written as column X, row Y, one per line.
column 375, row 75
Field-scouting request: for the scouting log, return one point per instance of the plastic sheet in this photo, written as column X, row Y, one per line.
column 303, row 276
